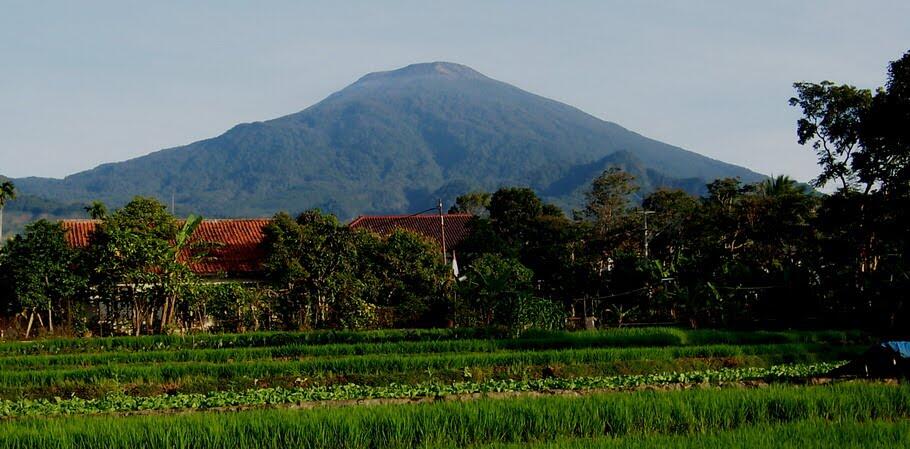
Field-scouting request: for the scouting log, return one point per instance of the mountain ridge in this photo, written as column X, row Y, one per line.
column 385, row 144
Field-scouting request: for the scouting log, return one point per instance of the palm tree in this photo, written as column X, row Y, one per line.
column 7, row 192
column 97, row 210
column 780, row 186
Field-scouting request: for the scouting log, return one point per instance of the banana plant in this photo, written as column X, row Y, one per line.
column 182, row 241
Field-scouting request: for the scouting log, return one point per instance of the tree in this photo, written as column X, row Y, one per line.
column 607, row 203
column 135, row 264
column 511, row 208
column 885, row 133
column 513, row 211
column 864, row 140
column 671, row 221
column 474, row 203
column 831, row 123
column 499, row 291
column 314, row 262
column 38, row 270
column 407, row 276
column 7, row 192
column 97, row 210
column 780, row 186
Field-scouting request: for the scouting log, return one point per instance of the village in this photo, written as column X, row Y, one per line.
column 441, row 225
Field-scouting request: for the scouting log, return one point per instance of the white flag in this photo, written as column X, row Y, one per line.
column 455, row 269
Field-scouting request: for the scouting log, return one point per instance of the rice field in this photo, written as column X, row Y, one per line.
column 649, row 387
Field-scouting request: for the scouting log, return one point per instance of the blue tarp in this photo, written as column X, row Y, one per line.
column 901, row 348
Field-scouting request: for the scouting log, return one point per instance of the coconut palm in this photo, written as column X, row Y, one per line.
column 97, row 210
column 7, row 192
column 780, row 186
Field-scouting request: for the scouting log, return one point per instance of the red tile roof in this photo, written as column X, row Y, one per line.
column 235, row 244
column 456, row 226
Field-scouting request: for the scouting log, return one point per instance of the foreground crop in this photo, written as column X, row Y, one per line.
column 456, row 424
column 283, row 396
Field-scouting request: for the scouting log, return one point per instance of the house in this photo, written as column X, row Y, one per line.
column 453, row 226
column 234, row 246
column 233, row 250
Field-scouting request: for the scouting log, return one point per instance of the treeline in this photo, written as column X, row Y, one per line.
column 772, row 253
column 134, row 277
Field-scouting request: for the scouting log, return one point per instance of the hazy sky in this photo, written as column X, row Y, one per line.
column 82, row 83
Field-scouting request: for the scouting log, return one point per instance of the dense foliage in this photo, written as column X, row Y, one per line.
column 772, row 252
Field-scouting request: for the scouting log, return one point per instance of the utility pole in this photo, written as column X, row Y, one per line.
column 645, row 214
column 442, row 229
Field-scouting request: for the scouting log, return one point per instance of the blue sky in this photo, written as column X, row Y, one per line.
column 83, row 83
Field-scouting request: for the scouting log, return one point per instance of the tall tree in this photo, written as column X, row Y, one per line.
column 608, row 202
column 831, row 124
column 38, row 269
column 673, row 214
column 781, row 185
column 7, row 192
column 475, row 203
column 407, row 277
column 885, row 133
column 97, row 210
column 864, row 141
column 314, row 262
column 134, row 263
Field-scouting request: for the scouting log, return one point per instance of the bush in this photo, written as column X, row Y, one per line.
column 498, row 292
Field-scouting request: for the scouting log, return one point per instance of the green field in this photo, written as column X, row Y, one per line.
column 653, row 387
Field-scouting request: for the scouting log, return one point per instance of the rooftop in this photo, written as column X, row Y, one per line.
column 235, row 250
column 429, row 226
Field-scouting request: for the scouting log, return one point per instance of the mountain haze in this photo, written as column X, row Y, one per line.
column 393, row 142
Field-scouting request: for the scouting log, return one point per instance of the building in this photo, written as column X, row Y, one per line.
column 233, row 246
column 433, row 227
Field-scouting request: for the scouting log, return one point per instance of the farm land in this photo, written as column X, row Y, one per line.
column 447, row 388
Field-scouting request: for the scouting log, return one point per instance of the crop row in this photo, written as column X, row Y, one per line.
column 279, row 396
column 623, row 337
column 63, row 361
column 400, row 363
column 203, row 384
column 462, row 424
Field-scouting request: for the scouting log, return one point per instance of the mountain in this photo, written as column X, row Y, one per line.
column 28, row 208
column 392, row 142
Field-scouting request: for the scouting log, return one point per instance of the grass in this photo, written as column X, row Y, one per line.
column 452, row 424
column 148, row 366
column 341, row 355
column 622, row 337
column 807, row 434
column 508, row 364
column 95, row 379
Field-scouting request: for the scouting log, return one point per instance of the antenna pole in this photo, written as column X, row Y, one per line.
column 442, row 229
column 645, row 214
